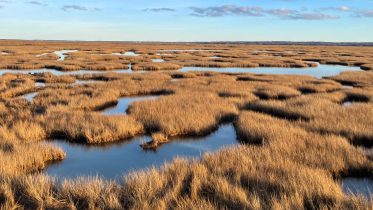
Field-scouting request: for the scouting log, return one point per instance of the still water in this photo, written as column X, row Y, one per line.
column 115, row 160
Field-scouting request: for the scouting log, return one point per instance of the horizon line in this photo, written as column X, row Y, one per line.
column 329, row 43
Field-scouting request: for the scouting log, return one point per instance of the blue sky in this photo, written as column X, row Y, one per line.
column 188, row 20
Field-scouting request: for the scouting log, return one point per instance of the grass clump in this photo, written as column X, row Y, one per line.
column 324, row 116
column 189, row 116
column 92, row 128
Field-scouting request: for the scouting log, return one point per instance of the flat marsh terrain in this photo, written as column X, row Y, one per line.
column 298, row 136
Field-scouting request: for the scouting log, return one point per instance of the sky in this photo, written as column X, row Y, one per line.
column 188, row 20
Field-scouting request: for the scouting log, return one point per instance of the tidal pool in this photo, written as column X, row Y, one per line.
column 123, row 104
column 157, row 60
column 30, row 96
column 318, row 72
column 115, row 160
column 62, row 54
column 358, row 186
column 347, row 86
column 129, row 53
column 39, row 84
column 347, row 103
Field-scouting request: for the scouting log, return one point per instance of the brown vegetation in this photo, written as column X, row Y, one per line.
column 322, row 114
column 91, row 128
column 104, row 56
column 299, row 139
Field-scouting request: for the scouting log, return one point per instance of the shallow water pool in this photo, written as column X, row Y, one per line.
column 129, row 53
column 62, row 54
column 157, row 60
column 123, row 104
column 30, row 96
column 318, row 72
column 115, row 160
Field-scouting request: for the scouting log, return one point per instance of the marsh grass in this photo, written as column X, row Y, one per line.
column 13, row 85
column 99, row 56
column 298, row 139
column 324, row 116
column 91, row 128
column 189, row 117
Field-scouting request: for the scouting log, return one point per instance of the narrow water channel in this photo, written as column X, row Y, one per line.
column 318, row 72
column 123, row 104
column 62, row 54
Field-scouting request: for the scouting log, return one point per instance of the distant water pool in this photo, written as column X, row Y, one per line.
column 62, row 54
column 318, row 72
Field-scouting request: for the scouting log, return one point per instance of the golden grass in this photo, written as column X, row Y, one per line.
column 13, row 85
column 99, row 56
column 155, row 66
column 305, row 147
column 243, row 177
column 51, row 78
column 360, row 79
column 324, row 116
column 19, row 156
column 82, row 97
column 188, row 117
column 90, row 128
column 296, row 148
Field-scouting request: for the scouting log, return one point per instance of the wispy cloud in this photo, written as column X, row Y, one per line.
column 340, row 9
column 311, row 16
column 226, row 10
column 74, row 7
column 284, row 13
column 364, row 13
column 37, row 3
column 163, row 9
column 78, row 8
column 355, row 12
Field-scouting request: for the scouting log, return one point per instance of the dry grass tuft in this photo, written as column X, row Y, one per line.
column 188, row 117
column 324, row 116
column 90, row 128
column 364, row 78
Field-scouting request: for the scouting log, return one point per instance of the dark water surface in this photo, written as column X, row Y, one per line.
column 115, row 160
column 124, row 103
column 358, row 186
